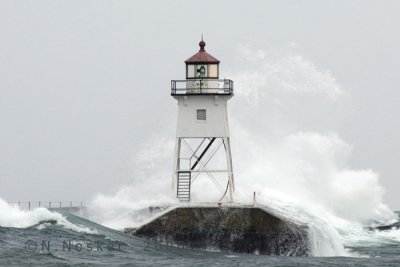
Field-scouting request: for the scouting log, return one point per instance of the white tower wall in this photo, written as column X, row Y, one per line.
column 215, row 123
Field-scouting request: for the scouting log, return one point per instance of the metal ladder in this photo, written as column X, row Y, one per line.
column 183, row 188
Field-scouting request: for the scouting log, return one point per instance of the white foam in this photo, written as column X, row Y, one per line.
column 12, row 216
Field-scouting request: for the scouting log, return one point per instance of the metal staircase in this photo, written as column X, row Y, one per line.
column 183, row 187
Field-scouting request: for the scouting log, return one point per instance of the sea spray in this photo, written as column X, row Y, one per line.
column 285, row 154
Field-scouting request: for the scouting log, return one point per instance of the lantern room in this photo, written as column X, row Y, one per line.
column 202, row 65
column 202, row 77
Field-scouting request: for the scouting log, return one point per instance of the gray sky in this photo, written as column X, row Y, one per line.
column 84, row 83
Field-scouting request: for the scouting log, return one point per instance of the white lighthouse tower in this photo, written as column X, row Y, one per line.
column 203, row 151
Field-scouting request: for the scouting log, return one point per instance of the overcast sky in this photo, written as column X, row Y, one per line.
column 84, row 83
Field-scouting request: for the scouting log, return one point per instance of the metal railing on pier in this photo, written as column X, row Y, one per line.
column 28, row 205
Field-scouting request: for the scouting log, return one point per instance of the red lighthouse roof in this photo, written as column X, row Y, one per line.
column 202, row 56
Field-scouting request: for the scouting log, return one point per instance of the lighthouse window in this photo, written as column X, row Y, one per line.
column 190, row 71
column 213, row 70
column 201, row 114
column 201, row 71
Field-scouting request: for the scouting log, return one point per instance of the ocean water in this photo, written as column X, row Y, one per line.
column 45, row 238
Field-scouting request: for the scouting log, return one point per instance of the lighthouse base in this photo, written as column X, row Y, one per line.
column 232, row 229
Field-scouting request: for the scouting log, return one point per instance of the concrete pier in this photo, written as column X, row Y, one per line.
column 242, row 229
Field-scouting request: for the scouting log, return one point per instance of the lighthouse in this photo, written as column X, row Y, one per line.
column 203, row 176
column 203, row 158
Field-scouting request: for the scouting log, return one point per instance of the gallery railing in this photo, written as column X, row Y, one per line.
column 202, row 87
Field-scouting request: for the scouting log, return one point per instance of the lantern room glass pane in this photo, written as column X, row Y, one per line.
column 201, row 71
column 190, row 71
column 213, row 70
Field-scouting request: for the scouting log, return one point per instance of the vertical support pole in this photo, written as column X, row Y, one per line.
column 60, row 204
column 29, row 205
column 50, row 204
column 230, row 171
column 176, row 164
column 70, row 204
column 39, row 204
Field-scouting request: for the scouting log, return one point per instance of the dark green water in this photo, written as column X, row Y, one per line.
column 50, row 244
